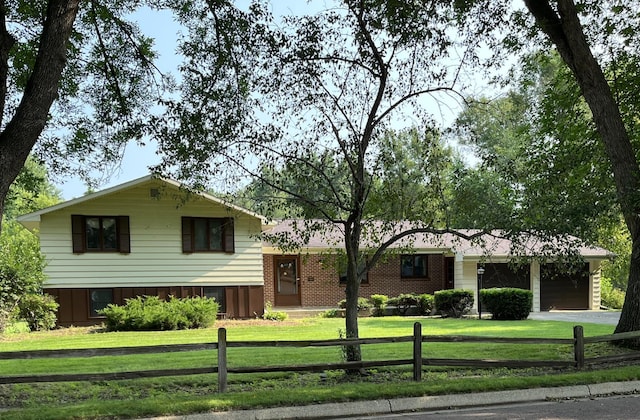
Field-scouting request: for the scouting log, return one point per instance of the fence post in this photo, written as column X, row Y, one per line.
column 222, row 360
column 417, row 351
column 578, row 343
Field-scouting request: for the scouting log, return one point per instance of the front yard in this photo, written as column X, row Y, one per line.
column 188, row 394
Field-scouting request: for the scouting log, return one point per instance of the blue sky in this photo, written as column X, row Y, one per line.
column 161, row 27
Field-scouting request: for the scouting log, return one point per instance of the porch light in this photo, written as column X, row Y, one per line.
column 480, row 273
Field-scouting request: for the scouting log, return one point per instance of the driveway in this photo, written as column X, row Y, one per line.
column 578, row 317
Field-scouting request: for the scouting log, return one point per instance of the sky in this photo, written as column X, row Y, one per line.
column 165, row 31
column 137, row 159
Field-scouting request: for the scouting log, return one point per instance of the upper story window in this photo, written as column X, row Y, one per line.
column 414, row 266
column 207, row 234
column 100, row 234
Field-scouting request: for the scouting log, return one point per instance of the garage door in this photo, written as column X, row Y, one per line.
column 561, row 290
column 506, row 275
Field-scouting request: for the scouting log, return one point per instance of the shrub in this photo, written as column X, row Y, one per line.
column 403, row 302
column 273, row 315
column 425, row 303
column 363, row 304
column 330, row 313
column 150, row 313
column 611, row 297
column 453, row 302
column 38, row 311
column 507, row 303
column 379, row 303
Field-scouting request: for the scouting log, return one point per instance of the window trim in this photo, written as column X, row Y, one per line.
column 414, row 276
column 79, row 234
column 189, row 235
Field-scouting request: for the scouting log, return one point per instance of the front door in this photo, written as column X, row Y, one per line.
column 287, row 281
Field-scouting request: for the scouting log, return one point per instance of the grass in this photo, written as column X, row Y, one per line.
column 189, row 394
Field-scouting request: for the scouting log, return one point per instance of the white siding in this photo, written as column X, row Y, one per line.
column 534, row 272
column 156, row 257
column 594, row 285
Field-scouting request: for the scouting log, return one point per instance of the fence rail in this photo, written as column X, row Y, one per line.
column 578, row 343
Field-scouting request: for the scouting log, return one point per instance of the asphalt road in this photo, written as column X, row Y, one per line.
column 610, row 408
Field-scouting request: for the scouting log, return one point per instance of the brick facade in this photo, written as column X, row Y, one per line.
column 320, row 285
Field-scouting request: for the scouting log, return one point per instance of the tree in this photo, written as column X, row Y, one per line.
column 542, row 164
column 575, row 32
column 21, row 262
column 316, row 94
column 76, row 83
column 563, row 27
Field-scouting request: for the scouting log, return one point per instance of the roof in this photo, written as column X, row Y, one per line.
column 471, row 243
column 32, row 220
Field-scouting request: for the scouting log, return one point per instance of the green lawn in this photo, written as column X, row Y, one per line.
column 180, row 395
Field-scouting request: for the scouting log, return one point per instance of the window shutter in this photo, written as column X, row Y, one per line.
column 187, row 243
column 229, row 245
column 77, row 234
column 124, row 237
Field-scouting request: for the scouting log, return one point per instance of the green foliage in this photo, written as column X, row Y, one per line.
column 507, row 303
column 363, row 304
column 616, row 238
column 379, row 303
column 403, row 302
column 453, row 302
column 425, row 303
column 21, row 268
column 610, row 296
column 272, row 315
column 31, row 191
column 331, row 313
column 150, row 313
column 38, row 311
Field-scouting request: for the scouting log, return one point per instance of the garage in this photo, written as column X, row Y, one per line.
column 563, row 289
column 506, row 275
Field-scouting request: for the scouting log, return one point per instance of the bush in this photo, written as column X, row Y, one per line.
column 330, row 313
column 403, row 302
column 507, row 303
column 363, row 304
column 610, row 297
column 379, row 303
column 453, row 302
column 150, row 313
column 38, row 311
column 273, row 315
column 21, row 269
column 425, row 304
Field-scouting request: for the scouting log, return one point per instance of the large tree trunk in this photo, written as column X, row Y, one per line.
column 25, row 126
column 565, row 30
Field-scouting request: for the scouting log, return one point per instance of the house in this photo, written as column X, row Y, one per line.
column 310, row 279
column 149, row 237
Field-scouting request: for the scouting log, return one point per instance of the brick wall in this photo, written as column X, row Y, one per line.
column 320, row 286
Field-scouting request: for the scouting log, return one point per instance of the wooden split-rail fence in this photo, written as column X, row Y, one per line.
column 578, row 343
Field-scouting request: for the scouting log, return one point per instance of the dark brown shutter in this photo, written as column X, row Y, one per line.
column 77, row 233
column 229, row 245
column 187, row 243
column 124, row 237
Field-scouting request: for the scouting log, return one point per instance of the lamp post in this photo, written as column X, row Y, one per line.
column 480, row 273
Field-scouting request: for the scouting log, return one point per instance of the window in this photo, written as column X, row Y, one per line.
column 100, row 234
column 218, row 294
column 201, row 234
column 99, row 299
column 413, row 266
column 343, row 276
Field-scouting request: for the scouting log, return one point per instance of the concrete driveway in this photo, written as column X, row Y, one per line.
column 578, row 317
